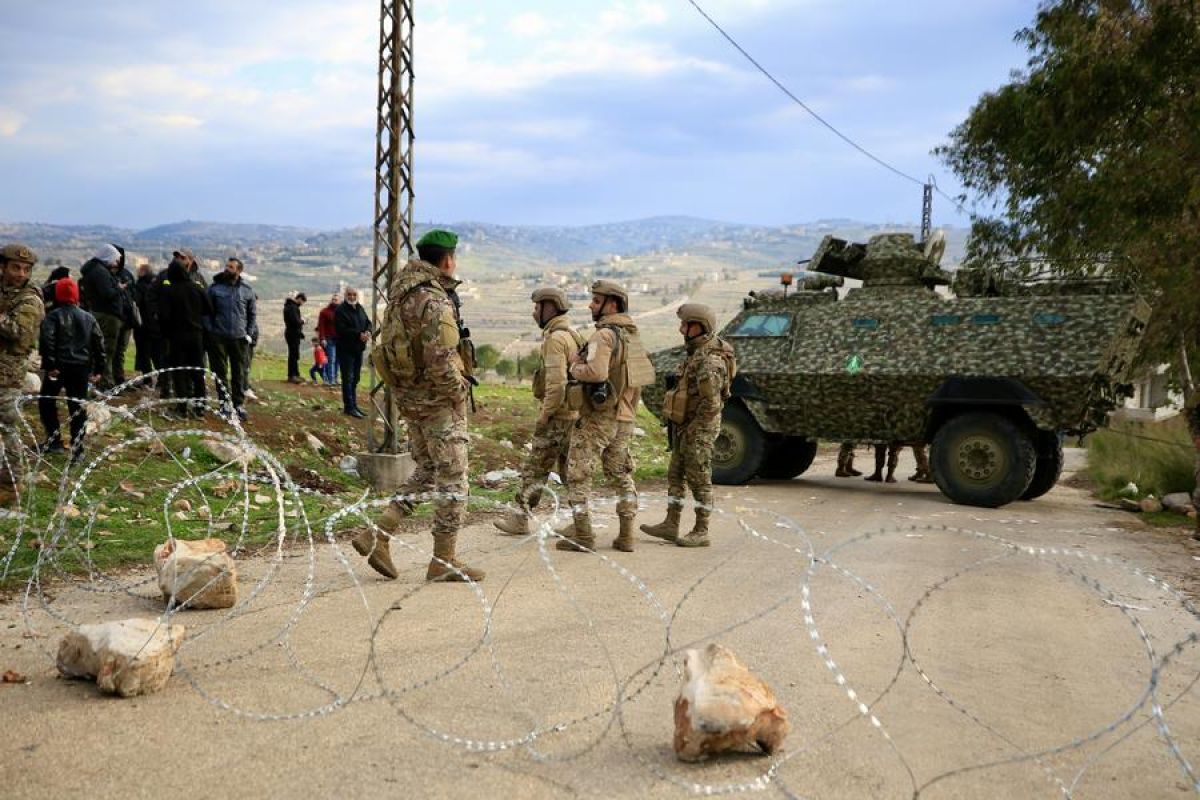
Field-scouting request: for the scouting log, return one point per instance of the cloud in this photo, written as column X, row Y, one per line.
column 11, row 122
column 528, row 25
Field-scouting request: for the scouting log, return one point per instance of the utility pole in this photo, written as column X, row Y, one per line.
column 927, row 211
column 393, row 196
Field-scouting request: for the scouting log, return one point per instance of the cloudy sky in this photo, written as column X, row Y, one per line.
column 136, row 113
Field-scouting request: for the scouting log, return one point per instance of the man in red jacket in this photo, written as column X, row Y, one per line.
column 327, row 333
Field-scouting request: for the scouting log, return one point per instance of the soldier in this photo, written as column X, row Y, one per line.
column 610, row 374
column 417, row 354
column 21, row 314
column 921, row 455
column 891, row 452
column 693, row 409
column 552, row 433
column 845, row 462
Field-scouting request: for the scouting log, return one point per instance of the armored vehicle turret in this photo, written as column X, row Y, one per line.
column 993, row 375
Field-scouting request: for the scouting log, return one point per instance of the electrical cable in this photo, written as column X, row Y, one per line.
column 815, row 115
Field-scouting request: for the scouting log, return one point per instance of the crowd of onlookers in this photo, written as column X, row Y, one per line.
column 181, row 325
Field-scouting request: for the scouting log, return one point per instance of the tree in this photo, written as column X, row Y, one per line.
column 486, row 356
column 1092, row 154
column 505, row 368
column 528, row 365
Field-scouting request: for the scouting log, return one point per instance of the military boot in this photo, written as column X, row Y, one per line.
column 396, row 511
column 375, row 546
column 514, row 523
column 624, row 540
column 698, row 535
column 444, row 567
column 581, row 539
column 669, row 528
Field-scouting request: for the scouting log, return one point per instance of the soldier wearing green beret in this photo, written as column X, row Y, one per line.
column 21, row 314
column 417, row 354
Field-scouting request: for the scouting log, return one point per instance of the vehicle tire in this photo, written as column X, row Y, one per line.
column 740, row 446
column 982, row 459
column 1049, row 465
column 787, row 458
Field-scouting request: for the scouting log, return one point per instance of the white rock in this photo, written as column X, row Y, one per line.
column 553, row 478
column 263, row 499
column 723, row 706
column 198, row 573
column 129, row 657
column 348, row 465
column 498, row 476
column 316, row 444
column 1130, row 490
column 183, row 504
column 639, row 432
column 98, row 417
column 32, row 383
column 506, row 443
column 1150, row 504
column 228, row 453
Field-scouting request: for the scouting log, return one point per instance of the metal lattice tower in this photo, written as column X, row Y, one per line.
column 927, row 212
column 393, row 194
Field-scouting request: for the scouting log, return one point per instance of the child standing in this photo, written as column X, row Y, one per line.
column 317, row 371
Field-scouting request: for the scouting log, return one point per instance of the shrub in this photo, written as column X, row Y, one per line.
column 1157, row 456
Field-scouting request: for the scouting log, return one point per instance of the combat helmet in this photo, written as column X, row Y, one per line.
column 699, row 313
column 611, row 289
column 549, row 294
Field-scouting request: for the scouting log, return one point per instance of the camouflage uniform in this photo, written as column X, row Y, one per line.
column 556, row 419
column 845, row 461
column 603, row 434
column 692, row 442
column 21, row 314
column 434, row 407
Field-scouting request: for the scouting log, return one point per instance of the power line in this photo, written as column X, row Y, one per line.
column 817, row 116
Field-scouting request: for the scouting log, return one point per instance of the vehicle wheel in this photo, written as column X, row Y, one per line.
column 787, row 458
column 1049, row 465
column 982, row 459
column 738, row 451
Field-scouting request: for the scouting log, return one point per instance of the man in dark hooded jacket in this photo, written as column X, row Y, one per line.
column 100, row 293
column 293, row 334
column 118, row 347
column 183, row 305
column 151, row 352
column 72, row 350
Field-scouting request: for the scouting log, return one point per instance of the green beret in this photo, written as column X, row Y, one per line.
column 438, row 238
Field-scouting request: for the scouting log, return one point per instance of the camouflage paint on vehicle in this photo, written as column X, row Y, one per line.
column 870, row 367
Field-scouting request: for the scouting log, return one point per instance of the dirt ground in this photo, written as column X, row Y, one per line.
column 1037, row 650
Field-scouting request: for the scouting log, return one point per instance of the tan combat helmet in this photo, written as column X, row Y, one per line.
column 18, row 252
column 700, row 313
column 611, row 289
column 551, row 295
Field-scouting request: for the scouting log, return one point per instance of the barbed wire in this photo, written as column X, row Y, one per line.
column 292, row 558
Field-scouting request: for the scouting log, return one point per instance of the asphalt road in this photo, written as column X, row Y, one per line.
column 1017, row 652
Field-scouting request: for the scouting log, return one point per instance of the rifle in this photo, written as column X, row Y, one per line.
column 466, row 348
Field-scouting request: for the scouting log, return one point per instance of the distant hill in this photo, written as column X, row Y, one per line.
column 507, row 247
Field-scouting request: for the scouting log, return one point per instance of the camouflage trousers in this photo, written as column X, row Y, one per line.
column 439, row 446
column 601, row 437
column 551, row 441
column 691, row 463
column 10, row 431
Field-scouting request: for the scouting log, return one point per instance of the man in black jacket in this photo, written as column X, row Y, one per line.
column 100, row 293
column 353, row 328
column 147, row 339
column 118, row 347
column 293, row 334
column 229, row 330
column 182, row 306
column 72, row 349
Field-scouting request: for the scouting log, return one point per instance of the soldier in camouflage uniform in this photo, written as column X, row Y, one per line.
column 845, row 461
column 704, row 380
column 21, row 314
column 603, row 431
column 552, row 433
column 433, row 403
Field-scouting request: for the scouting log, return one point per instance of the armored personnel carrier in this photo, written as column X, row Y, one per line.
column 992, row 377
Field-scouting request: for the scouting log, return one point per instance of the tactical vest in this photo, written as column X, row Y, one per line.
column 539, row 375
column 394, row 357
column 628, row 366
column 676, row 401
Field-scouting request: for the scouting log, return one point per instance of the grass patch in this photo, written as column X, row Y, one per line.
column 1158, row 457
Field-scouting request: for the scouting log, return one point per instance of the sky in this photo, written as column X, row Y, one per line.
column 527, row 112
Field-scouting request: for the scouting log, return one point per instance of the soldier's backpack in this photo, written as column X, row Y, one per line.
column 393, row 356
column 676, row 400
column 726, row 351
